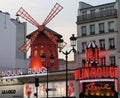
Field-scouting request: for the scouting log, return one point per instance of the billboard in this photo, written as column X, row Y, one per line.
column 15, row 91
column 56, row 89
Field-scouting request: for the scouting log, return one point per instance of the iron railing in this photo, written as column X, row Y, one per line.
column 97, row 16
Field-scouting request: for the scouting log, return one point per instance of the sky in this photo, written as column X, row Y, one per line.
column 64, row 23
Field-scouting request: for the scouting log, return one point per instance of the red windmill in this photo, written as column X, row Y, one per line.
column 43, row 40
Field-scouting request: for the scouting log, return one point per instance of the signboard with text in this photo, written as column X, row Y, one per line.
column 105, row 89
column 96, row 72
column 15, row 91
column 19, row 72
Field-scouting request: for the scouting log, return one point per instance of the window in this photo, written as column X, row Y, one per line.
column 92, row 29
column 83, row 29
column 112, row 60
column 92, row 13
column 109, row 8
column 84, row 44
column 101, row 28
column 111, row 26
column 35, row 53
column 102, row 44
column 102, row 61
column 41, row 52
column 84, row 14
column 101, row 9
column 111, row 43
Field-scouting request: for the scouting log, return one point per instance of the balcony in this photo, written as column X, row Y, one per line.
column 106, row 14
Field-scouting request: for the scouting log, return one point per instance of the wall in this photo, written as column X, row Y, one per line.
column 7, row 41
column 98, row 36
column 20, row 36
column 21, row 30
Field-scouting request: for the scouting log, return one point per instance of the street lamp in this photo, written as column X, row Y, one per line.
column 60, row 45
column 36, row 85
column 43, row 56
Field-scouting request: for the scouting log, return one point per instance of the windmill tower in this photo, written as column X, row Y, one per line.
column 42, row 40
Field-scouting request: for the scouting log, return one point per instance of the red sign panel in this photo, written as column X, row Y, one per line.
column 96, row 73
column 103, row 89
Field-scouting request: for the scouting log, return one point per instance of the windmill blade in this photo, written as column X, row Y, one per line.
column 22, row 13
column 56, row 9
column 25, row 47
column 51, row 36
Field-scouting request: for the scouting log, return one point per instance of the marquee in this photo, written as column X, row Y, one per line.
column 20, row 73
column 96, row 72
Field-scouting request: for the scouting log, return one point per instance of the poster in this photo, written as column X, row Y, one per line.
column 56, row 89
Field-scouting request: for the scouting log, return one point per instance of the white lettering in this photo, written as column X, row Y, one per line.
column 19, row 72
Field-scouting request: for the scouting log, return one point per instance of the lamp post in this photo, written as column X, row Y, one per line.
column 43, row 56
column 36, row 85
column 60, row 45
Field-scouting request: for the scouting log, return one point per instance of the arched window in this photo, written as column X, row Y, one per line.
column 41, row 52
column 35, row 53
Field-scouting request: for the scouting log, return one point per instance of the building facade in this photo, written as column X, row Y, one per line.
column 98, row 24
column 118, row 42
column 13, row 34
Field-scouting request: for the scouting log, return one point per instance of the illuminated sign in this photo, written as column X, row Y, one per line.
column 21, row 72
column 99, row 89
column 92, row 54
column 94, row 87
column 96, row 73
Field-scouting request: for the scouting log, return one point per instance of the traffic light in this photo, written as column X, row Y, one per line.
column 36, row 82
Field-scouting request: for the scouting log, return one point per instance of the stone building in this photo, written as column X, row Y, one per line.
column 13, row 34
column 99, row 24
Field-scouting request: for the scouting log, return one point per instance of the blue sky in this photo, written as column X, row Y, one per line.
column 64, row 23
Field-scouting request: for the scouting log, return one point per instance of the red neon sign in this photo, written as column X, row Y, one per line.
column 92, row 54
column 94, row 87
column 96, row 73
